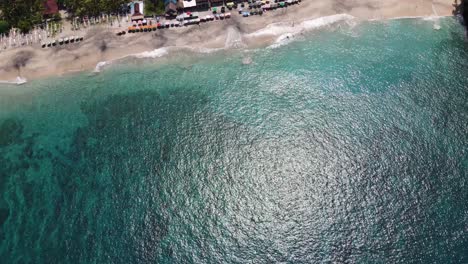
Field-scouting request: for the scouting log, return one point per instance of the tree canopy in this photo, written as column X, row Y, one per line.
column 22, row 14
column 154, row 7
column 92, row 7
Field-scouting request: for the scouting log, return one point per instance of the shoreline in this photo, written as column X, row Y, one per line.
column 101, row 46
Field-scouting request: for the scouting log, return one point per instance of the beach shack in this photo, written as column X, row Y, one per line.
column 187, row 5
column 170, row 7
column 216, row 2
column 203, row 5
column 136, row 10
column 50, row 8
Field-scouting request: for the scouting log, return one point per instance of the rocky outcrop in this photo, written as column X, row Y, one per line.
column 461, row 9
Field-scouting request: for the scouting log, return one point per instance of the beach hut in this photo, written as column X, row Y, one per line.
column 171, row 7
column 217, row 2
column 230, row 5
column 202, row 5
column 245, row 14
column 50, row 8
column 188, row 4
column 214, row 9
column 136, row 10
column 228, row 15
column 66, row 40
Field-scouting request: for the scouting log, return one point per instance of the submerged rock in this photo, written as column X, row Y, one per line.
column 10, row 132
column 4, row 213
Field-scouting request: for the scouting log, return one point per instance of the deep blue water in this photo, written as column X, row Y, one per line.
column 347, row 146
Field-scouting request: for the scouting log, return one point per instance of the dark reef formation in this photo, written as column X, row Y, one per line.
column 462, row 10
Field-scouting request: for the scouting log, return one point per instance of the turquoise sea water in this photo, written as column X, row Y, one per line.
column 347, row 146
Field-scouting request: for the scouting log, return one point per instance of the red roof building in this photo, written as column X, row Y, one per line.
column 50, row 7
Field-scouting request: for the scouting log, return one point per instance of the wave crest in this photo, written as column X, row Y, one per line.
column 19, row 80
column 278, row 29
column 284, row 31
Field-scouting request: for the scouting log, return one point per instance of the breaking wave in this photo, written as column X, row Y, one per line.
column 285, row 32
column 19, row 80
column 156, row 53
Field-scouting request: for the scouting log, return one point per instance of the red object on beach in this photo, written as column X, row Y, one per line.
column 50, row 7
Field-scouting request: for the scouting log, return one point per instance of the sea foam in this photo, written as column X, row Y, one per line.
column 19, row 80
column 284, row 31
column 157, row 53
column 287, row 31
column 101, row 65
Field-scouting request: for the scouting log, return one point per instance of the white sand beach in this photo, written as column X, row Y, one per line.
column 101, row 44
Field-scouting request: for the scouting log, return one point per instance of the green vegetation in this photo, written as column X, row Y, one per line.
column 93, row 7
column 154, row 7
column 4, row 27
column 22, row 14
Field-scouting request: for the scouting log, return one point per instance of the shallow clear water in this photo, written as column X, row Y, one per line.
column 349, row 145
